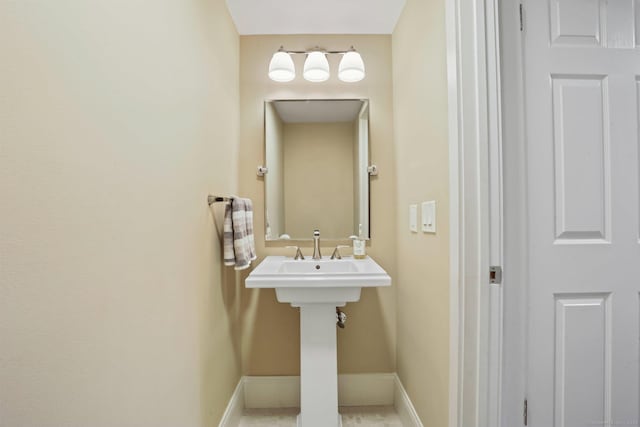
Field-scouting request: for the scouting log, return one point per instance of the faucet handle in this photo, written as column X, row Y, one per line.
column 336, row 252
column 316, row 233
column 298, row 252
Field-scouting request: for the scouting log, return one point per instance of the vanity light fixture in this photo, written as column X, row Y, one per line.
column 281, row 68
column 316, row 66
column 351, row 68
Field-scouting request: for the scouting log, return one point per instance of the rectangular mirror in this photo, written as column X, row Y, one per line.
column 317, row 155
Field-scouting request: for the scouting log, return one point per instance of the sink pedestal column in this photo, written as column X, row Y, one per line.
column 318, row 367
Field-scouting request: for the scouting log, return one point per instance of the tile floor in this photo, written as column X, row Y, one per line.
column 352, row 416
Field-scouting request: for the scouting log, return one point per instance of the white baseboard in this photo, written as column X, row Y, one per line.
column 353, row 390
column 404, row 407
column 233, row 413
column 365, row 389
column 272, row 392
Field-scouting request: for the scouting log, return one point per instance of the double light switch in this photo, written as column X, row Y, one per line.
column 427, row 217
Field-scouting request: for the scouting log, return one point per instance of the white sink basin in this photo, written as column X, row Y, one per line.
column 317, row 281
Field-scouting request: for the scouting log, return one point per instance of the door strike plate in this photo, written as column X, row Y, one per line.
column 495, row 274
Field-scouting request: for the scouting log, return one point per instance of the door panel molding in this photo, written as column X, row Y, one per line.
column 577, row 22
column 582, row 160
column 582, row 326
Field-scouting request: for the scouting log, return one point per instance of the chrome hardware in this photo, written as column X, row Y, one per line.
column 298, row 252
column 372, row 170
column 316, row 245
column 262, row 170
column 341, row 318
column 336, row 252
column 214, row 199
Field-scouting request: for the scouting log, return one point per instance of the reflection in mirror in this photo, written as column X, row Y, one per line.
column 317, row 153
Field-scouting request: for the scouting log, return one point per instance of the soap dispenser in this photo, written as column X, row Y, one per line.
column 359, row 245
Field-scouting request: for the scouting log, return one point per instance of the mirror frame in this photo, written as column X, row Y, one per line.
column 363, row 165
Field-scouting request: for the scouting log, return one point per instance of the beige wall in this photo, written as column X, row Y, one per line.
column 271, row 329
column 420, row 123
column 318, row 164
column 117, row 119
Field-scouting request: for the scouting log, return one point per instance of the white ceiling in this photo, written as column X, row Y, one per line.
column 318, row 111
column 315, row 16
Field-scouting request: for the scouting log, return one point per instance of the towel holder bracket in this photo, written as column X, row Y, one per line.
column 262, row 170
column 213, row 199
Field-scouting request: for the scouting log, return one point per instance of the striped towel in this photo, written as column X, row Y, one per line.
column 239, row 245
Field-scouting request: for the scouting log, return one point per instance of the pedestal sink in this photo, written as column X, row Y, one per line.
column 318, row 287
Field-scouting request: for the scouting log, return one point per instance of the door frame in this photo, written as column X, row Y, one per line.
column 478, row 395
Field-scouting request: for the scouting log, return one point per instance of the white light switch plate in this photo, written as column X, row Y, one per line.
column 413, row 218
column 429, row 217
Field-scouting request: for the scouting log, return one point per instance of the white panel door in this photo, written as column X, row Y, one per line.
column 582, row 91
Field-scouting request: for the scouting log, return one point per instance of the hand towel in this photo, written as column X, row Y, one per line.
column 239, row 244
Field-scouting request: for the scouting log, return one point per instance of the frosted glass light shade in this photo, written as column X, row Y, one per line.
column 316, row 67
column 351, row 68
column 281, row 68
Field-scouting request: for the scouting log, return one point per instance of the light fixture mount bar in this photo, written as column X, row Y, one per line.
column 315, row 49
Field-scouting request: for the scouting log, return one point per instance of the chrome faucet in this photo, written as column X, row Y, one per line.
column 336, row 252
column 316, row 245
column 298, row 252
